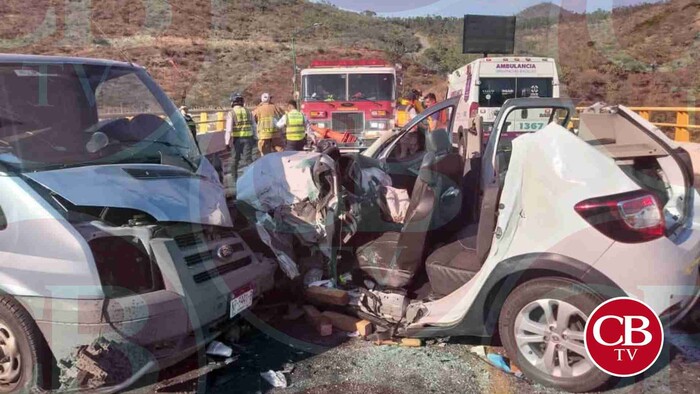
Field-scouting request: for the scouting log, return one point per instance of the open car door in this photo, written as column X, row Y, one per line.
column 402, row 158
column 497, row 155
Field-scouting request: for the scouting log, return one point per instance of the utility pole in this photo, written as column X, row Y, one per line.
column 294, row 56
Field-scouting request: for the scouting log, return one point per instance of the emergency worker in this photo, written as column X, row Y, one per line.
column 296, row 127
column 270, row 139
column 240, row 135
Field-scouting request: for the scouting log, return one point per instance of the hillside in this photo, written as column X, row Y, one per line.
column 543, row 10
column 641, row 55
column 201, row 50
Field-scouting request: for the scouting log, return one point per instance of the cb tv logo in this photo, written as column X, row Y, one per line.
column 623, row 337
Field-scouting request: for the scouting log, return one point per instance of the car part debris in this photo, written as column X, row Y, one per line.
column 217, row 348
column 101, row 364
column 275, row 378
column 390, row 305
column 294, row 196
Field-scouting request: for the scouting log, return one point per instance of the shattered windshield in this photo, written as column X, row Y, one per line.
column 56, row 115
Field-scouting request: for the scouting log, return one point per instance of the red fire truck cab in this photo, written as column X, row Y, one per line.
column 350, row 96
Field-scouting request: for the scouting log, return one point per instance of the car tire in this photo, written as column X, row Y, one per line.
column 22, row 347
column 541, row 327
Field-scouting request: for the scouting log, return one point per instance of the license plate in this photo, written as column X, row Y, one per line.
column 242, row 300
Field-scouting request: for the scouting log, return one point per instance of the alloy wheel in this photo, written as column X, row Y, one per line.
column 10, row 358
column 549, row 334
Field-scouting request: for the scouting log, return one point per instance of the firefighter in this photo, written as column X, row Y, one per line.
column 266, row 115
column 408, row 108
column 297, row 127
column 190, row 122
column 240, row 135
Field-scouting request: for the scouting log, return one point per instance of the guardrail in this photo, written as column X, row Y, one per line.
column 681, row 128
column 214, row 120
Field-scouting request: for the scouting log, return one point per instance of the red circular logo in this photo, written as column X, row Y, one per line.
column 624, row 337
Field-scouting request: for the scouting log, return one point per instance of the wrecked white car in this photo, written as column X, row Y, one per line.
column 523, row 238
column 117, row 253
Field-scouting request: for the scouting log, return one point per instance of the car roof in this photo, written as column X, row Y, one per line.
column 19, row 58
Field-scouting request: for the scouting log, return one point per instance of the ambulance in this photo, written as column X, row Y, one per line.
column 485, row 84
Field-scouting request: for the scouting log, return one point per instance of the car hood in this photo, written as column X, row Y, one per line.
column 168, row 193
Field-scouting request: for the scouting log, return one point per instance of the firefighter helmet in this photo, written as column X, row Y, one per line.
column 236, row 98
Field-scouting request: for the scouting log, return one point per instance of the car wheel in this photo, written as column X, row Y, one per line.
column 541, row 327
column 22, row 348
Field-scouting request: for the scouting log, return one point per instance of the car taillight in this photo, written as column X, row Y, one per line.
column 473, row 109
column 379, row 113
column 318, row 114
column 631, row 217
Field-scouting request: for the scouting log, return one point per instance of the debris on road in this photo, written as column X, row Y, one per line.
column 217, row 348
column 275, row 378
column 325, row 296
column 405, row 342
column 349, row 323
column 287, row 368
column 102, row 363
column 479, row 351
column 193, row 374
column 321, row 324
column 498, row 361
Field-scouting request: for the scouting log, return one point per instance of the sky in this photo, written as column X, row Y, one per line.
column 408, row 8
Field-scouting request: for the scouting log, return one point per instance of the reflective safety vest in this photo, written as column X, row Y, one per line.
column 296, row 128
column 244, row 124
column 267, row 116
column 402, row 115
column 266, row 128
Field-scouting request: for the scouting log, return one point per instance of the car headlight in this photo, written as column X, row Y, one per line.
column 377, row 125
column 124, row 266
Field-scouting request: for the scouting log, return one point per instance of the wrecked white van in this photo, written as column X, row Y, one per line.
column 521, row 239
column 117, row 254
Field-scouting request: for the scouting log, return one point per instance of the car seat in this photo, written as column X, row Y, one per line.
column 393, row 258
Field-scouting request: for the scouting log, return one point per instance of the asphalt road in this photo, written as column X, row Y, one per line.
column 351, row 365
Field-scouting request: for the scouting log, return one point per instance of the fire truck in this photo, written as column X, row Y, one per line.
column 351, row 101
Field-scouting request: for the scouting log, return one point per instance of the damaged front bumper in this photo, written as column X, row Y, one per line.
column 201, row 267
